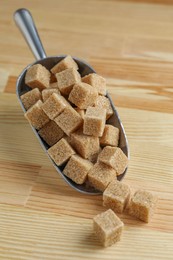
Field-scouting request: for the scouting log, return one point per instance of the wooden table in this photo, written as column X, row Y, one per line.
column 131, row 44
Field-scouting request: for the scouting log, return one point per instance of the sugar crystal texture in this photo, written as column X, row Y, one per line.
column 97, row 82
column 93, row 157
column 51, row 133
column 103, row 102
column 85, row 145
column 94, row 121
column 64, row 64
column 81, row 112
column 107, row 227
column 114, row 157
column 68, row 139
column 53, row 85
column 110, row 136
column 83, row 95
column 36, row 116
column 46, row 93
column 54, row 105
column 37, row 76
column 61, row 152
column 77, row 169
column 30, row 98
column 116, row 196
column 66, row 79
column 142, row 205
column 100, row 175
column 69, row 120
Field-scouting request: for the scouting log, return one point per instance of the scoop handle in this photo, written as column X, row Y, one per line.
column 25, row 23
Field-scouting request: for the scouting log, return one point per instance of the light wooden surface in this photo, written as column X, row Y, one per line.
column 131, row 44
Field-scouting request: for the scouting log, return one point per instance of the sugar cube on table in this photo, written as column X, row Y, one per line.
column 69, row 120
column 61, row 152
column 37, row 76
column 66, row 79
column 36, row 116
column 107, row 227
column 94, row 121
column 142, row 205
column 114, row 157
column 85, row 145
column 96, row 81
column 116, row 196
column 100, row 175
column 110, row 136
column 64, row 64
column 30, row 98
column 54, row 105
column 77, row 169
column 103, row 102
column 51, row 133
column 83, row 95
column 46, row 93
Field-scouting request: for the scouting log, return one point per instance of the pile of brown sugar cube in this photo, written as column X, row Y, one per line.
column 70, row 114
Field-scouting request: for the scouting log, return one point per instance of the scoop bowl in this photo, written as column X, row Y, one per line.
column 26, row 25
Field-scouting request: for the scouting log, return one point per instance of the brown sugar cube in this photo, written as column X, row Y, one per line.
column 46, row 93
column 53, row 85
column 116, row 196
column 114, row 157
column 101, row 175
column 37, row 76
column 30, row 98
column 83, row 95
column 54, row 105
column 36, row 116
column 103, row 102
column 142, row 205
column 66, row 79
column 68, row 139
column 94, row 121
column 81, row 112
column 97, row 82
column 93, row 157
column 66, row 101
column 61, row 152
column 64, row 64
column 77, row 169
column 51, row 133
column 85, row 145
column 69, row 120
column 110, row 136
column 107, row 227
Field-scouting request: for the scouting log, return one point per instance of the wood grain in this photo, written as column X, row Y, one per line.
column 34, row 235
column 131, row 44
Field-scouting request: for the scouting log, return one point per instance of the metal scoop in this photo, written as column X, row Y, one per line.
column 27, row 27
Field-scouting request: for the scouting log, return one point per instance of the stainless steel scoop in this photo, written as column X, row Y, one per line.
column 27, row 27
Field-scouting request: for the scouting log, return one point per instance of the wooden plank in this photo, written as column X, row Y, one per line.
column 10, row 87
column 150, row 167
column 16, row 182
column 131, row 44
column 32, row 234
column 101, row 29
